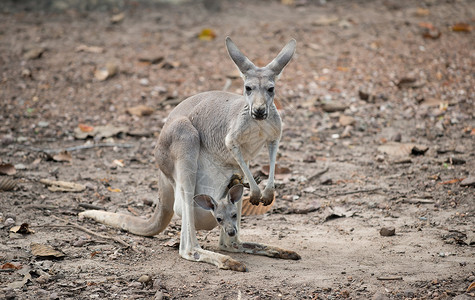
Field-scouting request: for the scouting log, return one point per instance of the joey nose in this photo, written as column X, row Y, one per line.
column 231, row 232
column 259, row 113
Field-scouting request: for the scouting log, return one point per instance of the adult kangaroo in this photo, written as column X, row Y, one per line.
column 206, row 140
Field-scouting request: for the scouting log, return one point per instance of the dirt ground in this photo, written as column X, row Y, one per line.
column 379, row 131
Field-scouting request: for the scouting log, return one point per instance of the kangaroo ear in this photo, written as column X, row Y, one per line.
column 285, row 55
column 235, row 193
column 205, row 202
column 241, row 61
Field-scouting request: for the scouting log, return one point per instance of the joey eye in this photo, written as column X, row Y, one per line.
column 248, row 89
column 234, row 216
column 270, row 90
column 219, row 220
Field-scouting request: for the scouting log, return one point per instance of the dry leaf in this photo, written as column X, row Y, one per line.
column 207, row 34
column 287, row 2
column 7, row 183
column 63, row 186
column 100, row 132
column 94, row 253
column 85, row 128
column 462, row 27
column 118, row 162
column 140, row 110
column 173, row 243
column 7, row 266
column 113, row 190
column 471, row 287
column 45, row 251
column 117, row 18
column 23, row 229
column 63, row 156
column 7, row 169
column 89, row 49
column 422, row 12
column 431, row 34
column 402, row 149
column 324, row 21
column 426, row 25
column 106, row 72
column 34, row 53
column 452, row 181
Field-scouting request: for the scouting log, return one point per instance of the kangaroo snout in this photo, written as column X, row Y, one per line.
column 231, row 232
column 259, row 113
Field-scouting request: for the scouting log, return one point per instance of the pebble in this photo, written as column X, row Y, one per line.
column 346, row 120
column 144, row 279
column 469, row 181
column 387, row 231
column 9, row 222
column 144, row 81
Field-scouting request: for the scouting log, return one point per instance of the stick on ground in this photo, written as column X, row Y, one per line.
column 77, row 226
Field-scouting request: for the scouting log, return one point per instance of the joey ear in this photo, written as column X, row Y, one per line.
column 283, row 58
column 235, row 193
column 241, row 61
column 205, row 201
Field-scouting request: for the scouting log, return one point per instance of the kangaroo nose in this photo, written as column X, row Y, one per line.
column 259, row 113
column 231, row 232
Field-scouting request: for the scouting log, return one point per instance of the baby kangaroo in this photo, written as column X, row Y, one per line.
column 206, row 140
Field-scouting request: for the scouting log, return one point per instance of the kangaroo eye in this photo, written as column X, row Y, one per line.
column 219, row 220
column 270, row 90
column 248, row 88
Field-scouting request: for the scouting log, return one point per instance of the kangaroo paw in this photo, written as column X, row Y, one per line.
column 255, row 198
column 289, row 254
column 234, row 265
column 267, row 197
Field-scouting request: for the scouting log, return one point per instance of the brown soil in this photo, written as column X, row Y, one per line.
column 397, row 68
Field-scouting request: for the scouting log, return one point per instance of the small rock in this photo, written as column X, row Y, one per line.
column 333, row 106
column 43, row 124
column 346, row 120
column 144, row 279
column 20, row 167
column 144, row 81
column 54, row 296
column 397, row 137
column 325, row 180
column 34, row 53
column 9, row 222
column 26, row 73
column 387, row 231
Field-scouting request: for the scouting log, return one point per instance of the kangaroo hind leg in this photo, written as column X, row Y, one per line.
column 186, row 150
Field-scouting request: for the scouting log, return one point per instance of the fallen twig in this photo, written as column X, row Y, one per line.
column 80, row 147
column 91, row 206
column 318, row 174
column 77, row 226
column 418, row 201
column 355, row 192
column 389, row 278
